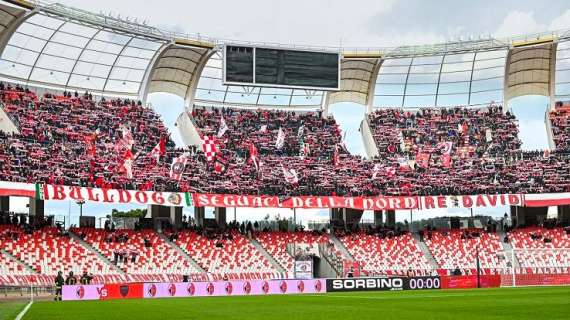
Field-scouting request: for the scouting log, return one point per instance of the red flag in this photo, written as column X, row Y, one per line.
column 127, row 166
column 422, row 159
column 254, row 156
column 159, row 149
column 91, row 146
column 446, row 154
column 335, row 159
column 219, row 167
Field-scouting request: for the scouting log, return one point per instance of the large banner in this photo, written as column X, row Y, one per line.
column 475, row 201
column 16, row 189
column 65, row 193
column 383, row 284
column 192, row 289
column 360, row 203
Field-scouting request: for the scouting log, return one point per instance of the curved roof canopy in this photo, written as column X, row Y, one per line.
column 471, row 78
column 52, row 45
column 55, row 51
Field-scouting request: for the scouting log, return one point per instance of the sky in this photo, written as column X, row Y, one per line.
column 358, row 23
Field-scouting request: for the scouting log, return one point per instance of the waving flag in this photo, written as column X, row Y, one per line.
column 422, row 159
column 301, row 131
column 335, row 157
column 290, row 175
column 223, row 127
column 280, row 139
column 128, row 159
column 254, row 156
column 159, row 149
column 209, row 147
column 376, row 170
column 219, row 167
column 128, row 139
column 177, row 167
column 446, row 154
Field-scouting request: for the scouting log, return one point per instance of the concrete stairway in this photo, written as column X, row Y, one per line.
column 338, row 244
column 97, row 252
column 269, row 257
column 20, row 262
column 183, row 253
column 426, row 252
column 508, row 249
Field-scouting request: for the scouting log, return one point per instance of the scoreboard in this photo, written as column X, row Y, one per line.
column 270, row 67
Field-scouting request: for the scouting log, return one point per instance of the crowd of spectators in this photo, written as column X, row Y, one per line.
column 72, row 139
column 560, row 124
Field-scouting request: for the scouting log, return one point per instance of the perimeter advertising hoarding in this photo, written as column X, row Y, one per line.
column 197, row 289
column 383, row 284
column 103, row 292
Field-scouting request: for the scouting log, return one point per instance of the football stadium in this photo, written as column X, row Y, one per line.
column 364, row 160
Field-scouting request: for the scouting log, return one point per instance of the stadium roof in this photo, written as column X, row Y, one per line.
column 55, row 46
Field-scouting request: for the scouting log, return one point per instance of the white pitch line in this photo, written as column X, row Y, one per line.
column 23, row 312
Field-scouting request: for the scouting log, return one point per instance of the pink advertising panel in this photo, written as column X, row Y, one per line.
column 233, row 288
column 196, row 289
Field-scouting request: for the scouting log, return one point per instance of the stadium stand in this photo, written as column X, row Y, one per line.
column 385, row 254
column 228, row 253
column 137, row 252
column 538, row 247
column 275, row 242
column 11, row 267
column 458, row 249
column 48, row 251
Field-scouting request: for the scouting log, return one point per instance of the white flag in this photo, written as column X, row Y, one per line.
column 280, row 139
column 290, row 175
column 376, row 170
column 223, row 127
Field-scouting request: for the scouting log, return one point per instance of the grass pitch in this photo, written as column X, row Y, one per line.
column 505, row 303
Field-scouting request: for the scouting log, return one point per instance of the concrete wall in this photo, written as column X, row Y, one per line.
column 6, row 123
column 366, row 133
column 188, row 131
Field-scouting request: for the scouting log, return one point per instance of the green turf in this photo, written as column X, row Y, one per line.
column 519, row 303
column 9, row 310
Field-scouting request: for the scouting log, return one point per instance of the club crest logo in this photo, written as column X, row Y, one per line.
column 210, row 288
column 247, row 287
column 283, row 286
column 318, row 286
column 80, row 292
column 265, row 287
column 152, row 290
column 229, row 288
column 172, row 289
column 191, row 289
